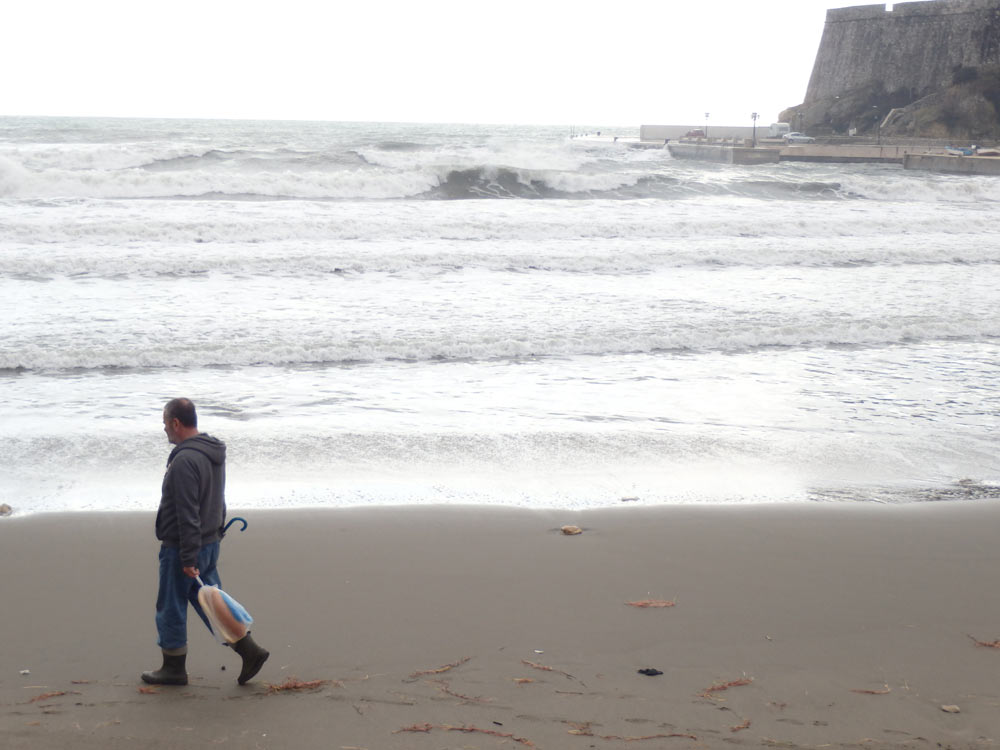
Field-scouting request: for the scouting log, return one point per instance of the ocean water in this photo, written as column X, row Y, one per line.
column 385, row 313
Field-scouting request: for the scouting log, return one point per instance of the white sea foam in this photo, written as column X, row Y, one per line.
column 100, row 157
column 277, row 345
column 338, row 171
column 822, row 226
column 137, row 183
column 911, row 187
column 569, row 470
column 13, row 177
column 18, row 181
column 99, row 257
column 386, row 313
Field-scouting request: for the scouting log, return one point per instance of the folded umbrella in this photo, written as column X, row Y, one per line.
column 228, row 618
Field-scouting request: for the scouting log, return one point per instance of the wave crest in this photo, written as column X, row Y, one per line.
column 438, row 169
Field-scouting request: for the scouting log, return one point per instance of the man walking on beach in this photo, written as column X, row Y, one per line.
column 189, row 525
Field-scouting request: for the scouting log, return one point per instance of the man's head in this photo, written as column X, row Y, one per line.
column 180, row 421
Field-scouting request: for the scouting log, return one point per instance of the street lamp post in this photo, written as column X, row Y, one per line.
column 754, row 117
column 706, row 124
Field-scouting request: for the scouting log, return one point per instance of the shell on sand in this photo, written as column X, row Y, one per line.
column 571, row 530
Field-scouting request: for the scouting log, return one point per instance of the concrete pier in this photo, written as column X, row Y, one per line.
column 724, row 153
column 912, row 153
column 846, row 154
column 768, row 151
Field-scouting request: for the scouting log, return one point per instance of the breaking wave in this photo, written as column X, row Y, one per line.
column 395, row 170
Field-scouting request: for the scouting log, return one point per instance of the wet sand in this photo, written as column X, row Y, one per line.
column 826, row 625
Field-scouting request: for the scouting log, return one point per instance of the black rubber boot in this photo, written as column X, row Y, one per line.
column 253, row 658
column 172, row 672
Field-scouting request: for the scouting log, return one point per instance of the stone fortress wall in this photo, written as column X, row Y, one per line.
column 913, row 49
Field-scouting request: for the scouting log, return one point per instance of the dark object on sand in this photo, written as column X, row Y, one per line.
column 650, row 672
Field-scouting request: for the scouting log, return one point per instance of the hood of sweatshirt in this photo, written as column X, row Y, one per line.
column 212, row 447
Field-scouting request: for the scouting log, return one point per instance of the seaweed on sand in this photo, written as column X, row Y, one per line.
column 465, row 728
column 294, row 684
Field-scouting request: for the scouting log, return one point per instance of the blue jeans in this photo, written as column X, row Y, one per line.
column 177, row 590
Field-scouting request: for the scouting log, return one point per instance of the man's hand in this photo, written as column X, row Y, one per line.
column 192, row 572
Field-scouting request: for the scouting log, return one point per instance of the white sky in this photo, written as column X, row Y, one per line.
column 569, row 62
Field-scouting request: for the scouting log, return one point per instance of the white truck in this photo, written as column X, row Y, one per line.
column 778, row 129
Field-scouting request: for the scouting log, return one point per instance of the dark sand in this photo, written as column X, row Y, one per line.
column 808, row 605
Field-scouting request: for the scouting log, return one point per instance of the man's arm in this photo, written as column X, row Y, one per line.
column 185, row 477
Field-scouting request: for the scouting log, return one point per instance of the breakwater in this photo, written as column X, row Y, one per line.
column 971, row 165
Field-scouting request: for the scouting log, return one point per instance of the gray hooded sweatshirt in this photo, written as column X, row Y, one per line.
column 193, row 499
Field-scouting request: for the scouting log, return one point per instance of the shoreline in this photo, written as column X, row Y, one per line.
column 843, row 625
column 961, row 491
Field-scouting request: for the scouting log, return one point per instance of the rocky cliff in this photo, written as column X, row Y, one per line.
column 923, row 68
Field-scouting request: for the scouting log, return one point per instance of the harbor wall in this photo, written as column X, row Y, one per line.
column 910, row 51
column 844, row 154
column 979, row 165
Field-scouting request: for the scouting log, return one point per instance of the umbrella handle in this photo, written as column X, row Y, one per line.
column 233, row 520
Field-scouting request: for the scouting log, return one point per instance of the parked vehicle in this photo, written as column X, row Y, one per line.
column 696, row 133
column 778, row 129
column 798, row 138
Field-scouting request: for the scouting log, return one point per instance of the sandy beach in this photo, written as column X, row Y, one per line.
column 448, row 627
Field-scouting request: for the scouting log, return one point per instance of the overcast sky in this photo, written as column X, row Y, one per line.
column 567, row 62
